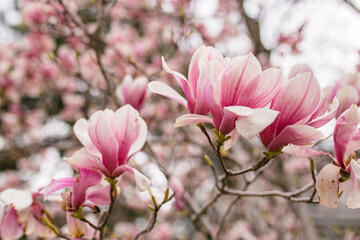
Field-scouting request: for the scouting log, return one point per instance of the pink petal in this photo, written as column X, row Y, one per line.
column 306, row 152
column 81, row 132
column 100, row 196
column 209, row 53
column 236, row 76
column 122, row 169
column 57, row 185
column 88, row 177
column 206, row 76
column 183, row 83
column 130, row 131
column 327, row 185
column 227, row 121
column 295, row 134
column 10, row 227
column 347, row 96
column 301, row 68
column 211, row 103
column 322, row 120
column 82, row 158
column 262, row 89
column 251, row 122
column 353, row 200
column 164, row 90
column 104, row 139
column 188, row 119
column 297, row 100
column 354, row 144
column 133, row 92
column 345, row 129
column 141, row 137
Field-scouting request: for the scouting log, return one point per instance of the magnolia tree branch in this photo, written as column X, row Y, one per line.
column 226, row 214
column 156, row 208
column 253, row 27
column 274, row 193
column 351, row 4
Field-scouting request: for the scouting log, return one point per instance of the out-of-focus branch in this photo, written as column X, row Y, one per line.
column 154, row 215
column 351, row 4
column 223, row 219
column 288, row 195
column 8, row 157
column 254, row 30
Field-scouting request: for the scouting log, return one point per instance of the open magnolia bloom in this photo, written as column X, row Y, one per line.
column 235, row 91
column 302, row 107
column 110, row 139
column 19, row 214
column 346, row 141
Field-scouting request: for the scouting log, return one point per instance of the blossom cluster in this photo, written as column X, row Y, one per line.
column 91, row 66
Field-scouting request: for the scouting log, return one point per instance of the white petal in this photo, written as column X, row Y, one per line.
column 327, row 185
column 234, row 137
column 20, row 199
column 353, row 200
column 142, row 182
column 250, row 121
column 167, row 91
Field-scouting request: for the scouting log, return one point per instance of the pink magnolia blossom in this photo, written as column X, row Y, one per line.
column 235, row 92
column 132, row 92
column 347, row 90
column 346, row 141
column 110, row 139
column 22, row 216
column 237, row 96
column 302, row 108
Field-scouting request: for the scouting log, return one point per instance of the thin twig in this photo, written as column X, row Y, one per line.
column 274, row 193
column 207, row 205
column 223, row 219
column 153, row 218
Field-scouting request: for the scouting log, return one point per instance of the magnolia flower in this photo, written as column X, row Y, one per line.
column 347, row 91
column 133, row 92
column 21, row 217
column 302, row 108
column 235, row 92
column 110, row 139
column 346, row 141
column 237, row 97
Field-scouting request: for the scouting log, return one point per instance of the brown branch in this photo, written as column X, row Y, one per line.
column 288, row 195
column 153, row 218
column 253, row 27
